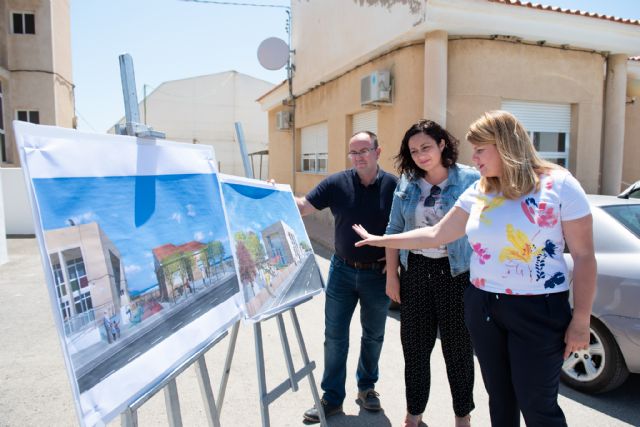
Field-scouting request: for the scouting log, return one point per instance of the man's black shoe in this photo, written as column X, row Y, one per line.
column 369, row 400
column 313, row 416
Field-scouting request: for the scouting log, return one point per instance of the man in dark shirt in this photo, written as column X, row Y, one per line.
column 361, row 195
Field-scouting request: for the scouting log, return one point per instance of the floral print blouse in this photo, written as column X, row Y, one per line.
column 518, row 244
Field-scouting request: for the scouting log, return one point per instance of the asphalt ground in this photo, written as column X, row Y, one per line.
column 35, row 391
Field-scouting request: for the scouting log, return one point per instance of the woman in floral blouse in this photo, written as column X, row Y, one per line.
column 517, row 218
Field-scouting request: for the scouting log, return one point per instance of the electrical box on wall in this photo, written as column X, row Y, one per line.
column 375, row 88
column 283, row 120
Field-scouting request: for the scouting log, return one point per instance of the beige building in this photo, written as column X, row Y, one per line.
column 35, row 68
column 203, row 110
column 570, row 77
column 88, row 273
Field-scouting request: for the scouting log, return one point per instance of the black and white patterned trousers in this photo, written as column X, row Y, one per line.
column 431, row 300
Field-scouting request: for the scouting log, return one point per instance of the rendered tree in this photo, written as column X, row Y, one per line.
column 215, row 251
column 246, row 264
column 253, row 244
column 305, row 246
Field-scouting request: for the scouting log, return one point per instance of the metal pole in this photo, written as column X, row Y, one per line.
column 213, row 416
column 248, row 170
column 172, row 403
column 287, row 352
column 227, row 365
column 127, row 75
column 305, row 359
column 262, row 382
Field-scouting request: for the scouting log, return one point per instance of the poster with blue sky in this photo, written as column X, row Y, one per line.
column 273, row 256
column 137, row 257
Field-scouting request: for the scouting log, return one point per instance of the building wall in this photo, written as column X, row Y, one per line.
column 336, row 101
column 203, row 110
column 366, row 25
column 280, row 149
column 36, row 68
column 630, row 163
column 482, row 73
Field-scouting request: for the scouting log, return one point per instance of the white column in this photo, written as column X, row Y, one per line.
column 435, row 77
column 614, row 106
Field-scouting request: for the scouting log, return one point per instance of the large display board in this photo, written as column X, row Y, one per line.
column 142, row 262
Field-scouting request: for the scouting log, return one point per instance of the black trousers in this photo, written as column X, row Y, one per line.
column 519, row 342
column 431, row 300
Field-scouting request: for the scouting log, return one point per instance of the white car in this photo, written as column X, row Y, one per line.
column 614, row 350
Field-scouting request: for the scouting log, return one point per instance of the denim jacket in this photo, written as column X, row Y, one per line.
column 405, row 200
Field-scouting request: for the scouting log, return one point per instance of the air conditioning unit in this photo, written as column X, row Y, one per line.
column 376, row 88
column 283, row 120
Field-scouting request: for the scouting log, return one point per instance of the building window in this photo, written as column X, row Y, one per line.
column 29, row 116
column 314, row 142
column 24, row 23
column 548, row 126
column 61, row 289
column 367, row 120
column 77, row 274
column 3, row 137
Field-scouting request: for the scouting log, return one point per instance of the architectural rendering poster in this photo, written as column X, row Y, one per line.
column 137, row 258
column 273, row 256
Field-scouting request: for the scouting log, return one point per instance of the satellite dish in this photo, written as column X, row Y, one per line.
column 273, row 53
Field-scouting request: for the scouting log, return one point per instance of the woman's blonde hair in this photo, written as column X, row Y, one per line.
column 521, row 164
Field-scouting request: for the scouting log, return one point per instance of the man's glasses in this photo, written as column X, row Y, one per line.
column 360, row 153
column 431, row 198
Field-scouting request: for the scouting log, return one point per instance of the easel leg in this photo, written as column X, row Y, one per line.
column 173, row 404
column 287, row 353
column 262, row 384
column 305, row 359
column 207, row 393
column 129, row 418
column 227, row 365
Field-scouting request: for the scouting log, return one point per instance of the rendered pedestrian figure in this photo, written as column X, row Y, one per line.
column 106, row 323
column 363, row 193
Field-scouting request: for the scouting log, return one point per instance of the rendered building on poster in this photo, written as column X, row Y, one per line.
column 282, row 244
column 89, row 275
column 179, row 267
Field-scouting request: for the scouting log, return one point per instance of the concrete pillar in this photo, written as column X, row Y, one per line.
column 614, row 112
column 435, row 77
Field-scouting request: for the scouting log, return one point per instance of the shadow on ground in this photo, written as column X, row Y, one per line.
column 621, row 403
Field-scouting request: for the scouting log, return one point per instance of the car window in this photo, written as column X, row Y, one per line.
column 627, row 215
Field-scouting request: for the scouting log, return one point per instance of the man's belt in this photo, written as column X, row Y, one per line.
column 372, row 265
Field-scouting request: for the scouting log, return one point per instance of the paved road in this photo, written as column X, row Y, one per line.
column 310, row 275
column 178, row 317
column 35, row 391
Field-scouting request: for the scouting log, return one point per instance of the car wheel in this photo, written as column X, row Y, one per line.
column 598, row 369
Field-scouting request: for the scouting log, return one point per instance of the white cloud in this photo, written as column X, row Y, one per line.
column 84, row 218
column 198, row 235
column 191, row 211
column 176, row 217
column 132, row 269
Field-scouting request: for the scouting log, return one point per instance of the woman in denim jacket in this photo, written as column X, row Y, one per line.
column 432, row 281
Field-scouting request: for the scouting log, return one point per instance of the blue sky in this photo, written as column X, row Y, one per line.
column 253, row 209
column 136, row 218
column 173, row 39
column 168, row 40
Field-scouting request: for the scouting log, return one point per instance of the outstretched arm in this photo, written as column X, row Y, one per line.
column 450, row 228
column 304, row 206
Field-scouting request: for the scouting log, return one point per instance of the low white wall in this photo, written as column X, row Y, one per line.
column 17, row 211
column 4, row 256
